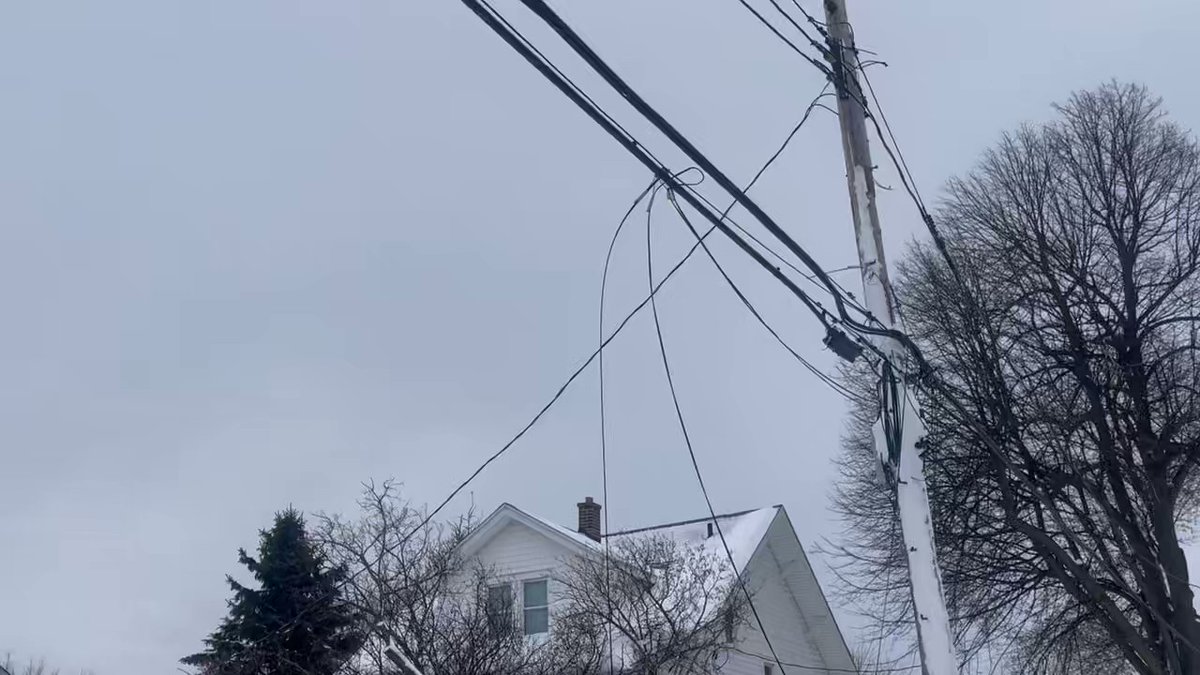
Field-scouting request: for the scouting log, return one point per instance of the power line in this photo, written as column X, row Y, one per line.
column 927, row 377
column 492, row 458
column 662, row 347
column 651, row 115
column 603, row 425
column 849, row 297
column 910, row 184
column 770, row 26
column 486, row 12
column 577, row 44
column 519, row 43
column 649, row 299
column 522, row 45
column 786, row 15
column 828, row 380
column 819, row 25
column 813, row 105
column 808, row 111
column 566, row 78
column 833, row 52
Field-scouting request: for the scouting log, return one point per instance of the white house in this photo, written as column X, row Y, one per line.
column 530, row 552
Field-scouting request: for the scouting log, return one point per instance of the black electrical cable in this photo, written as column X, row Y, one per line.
column 603, row 425
column 819, row 25
column 770, row 26
column 457, row 490
column 699, row 242
column 585, row 52
column 927, row 378
column 544, row 12
column 821, row 49
column 687, row 439
column 566, row 78
column 895, row 155
column 812, row 106
column 909, row 182
column 485, row 11
column 827, row 379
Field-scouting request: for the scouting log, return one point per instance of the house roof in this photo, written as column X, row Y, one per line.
column 566, row 531
column 747, row 534
column 743, row 530
column 507, row 513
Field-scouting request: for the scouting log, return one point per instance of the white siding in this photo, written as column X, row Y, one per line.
column 517, row 553
column 801, row 629
column 517, row 550
column 786, row 594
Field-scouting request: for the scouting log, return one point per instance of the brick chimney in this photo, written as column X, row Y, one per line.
column 589, row 519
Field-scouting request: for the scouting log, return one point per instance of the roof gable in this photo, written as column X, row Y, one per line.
column 507, row 514
column 780, row 548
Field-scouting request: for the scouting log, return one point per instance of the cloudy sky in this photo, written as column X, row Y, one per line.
column 254, row 253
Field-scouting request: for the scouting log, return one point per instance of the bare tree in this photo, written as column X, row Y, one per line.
column 1068, row 328
column 30, row 666
column 670, row 606
column 428, row 603
column 674, row 607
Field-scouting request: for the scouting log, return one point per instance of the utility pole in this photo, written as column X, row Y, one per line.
column 897, row 446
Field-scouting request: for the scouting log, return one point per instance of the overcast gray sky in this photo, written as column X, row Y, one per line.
column 253, row 253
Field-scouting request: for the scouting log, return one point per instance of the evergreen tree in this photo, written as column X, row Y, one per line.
column 295, row 623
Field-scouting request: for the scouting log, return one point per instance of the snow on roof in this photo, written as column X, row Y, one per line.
column 743, row 531
column 566, row 531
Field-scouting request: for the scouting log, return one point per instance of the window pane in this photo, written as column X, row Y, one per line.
column 537, row 621
column 499, row 597
column 535, row 594
column 500, row 607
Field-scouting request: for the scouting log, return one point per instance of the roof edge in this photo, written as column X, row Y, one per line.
column 693, row 521
column 507, row 513
column 816, row 582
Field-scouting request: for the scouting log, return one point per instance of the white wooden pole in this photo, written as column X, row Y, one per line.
column 933, row 622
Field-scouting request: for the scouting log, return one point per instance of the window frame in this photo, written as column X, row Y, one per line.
column 526, row 608
column 501, row 618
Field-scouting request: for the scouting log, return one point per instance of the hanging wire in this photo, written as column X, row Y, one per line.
column 662, row 347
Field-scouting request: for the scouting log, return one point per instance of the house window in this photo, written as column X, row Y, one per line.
column 500, row 607
column 768, row 669
column 536, row 608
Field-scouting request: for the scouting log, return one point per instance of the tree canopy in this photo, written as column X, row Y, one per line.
column 1067, row 327
column 295, row 622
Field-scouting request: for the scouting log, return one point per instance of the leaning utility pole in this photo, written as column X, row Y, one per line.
column 900, row 427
